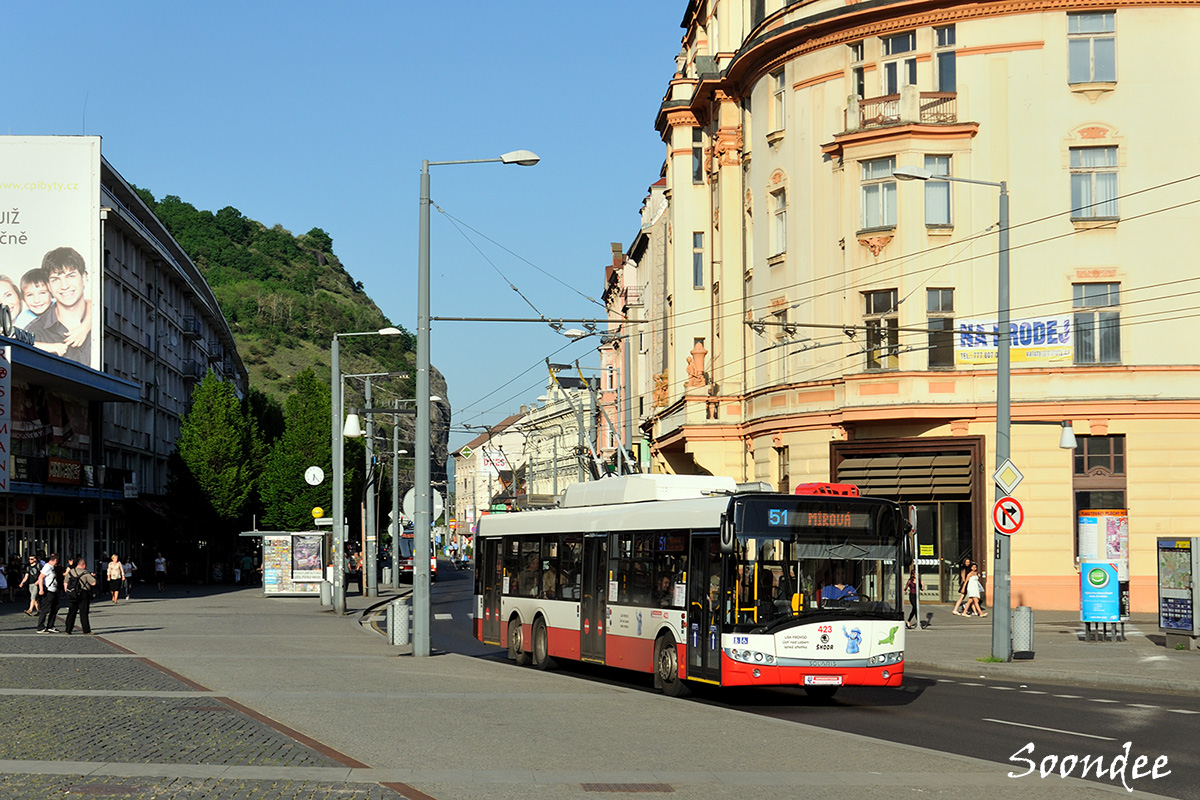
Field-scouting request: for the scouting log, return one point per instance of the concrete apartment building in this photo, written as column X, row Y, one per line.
column 824, row 320
column 92, row 425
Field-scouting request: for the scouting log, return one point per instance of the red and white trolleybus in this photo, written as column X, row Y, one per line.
column 694, row 580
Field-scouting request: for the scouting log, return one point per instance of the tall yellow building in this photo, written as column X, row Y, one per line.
column 825, row 320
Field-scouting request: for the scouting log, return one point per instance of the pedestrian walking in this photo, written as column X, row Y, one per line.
column 115, row 576
column 79, row 584
column 32, row 570
column 160, row 571
column 128, row 568
column 47, row 584
column 962, row 587
column 914, row 584
column 974, row 591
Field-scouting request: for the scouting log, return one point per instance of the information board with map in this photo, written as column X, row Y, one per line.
column 1176, row 584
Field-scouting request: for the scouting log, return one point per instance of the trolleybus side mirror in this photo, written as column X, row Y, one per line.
column 726, row 533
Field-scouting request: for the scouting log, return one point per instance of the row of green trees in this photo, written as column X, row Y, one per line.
column 240, row 462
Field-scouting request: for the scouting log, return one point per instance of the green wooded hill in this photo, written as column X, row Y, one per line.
column 284, row 296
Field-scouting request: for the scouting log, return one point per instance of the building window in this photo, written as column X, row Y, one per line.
column 900, row 71
column 1097, row 323
column 878, row 193
column 1093, row 182
column 858, row 77
column 939, row 306
column 943, row 59
column 779, row 222
column 1092, row 47
column 697, row 156
column 882, row 324
column 698, row 260
column 937, row 193
column 778, row 101
column 785, row 477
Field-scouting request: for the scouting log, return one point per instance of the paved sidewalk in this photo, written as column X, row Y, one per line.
column 232, row 695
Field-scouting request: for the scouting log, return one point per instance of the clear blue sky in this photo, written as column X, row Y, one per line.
column 310, row 114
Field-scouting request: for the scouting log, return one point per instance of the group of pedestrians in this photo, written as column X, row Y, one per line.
column 51, row 585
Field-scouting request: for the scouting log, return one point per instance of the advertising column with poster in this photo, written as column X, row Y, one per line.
column 50, row 268
column 1104, row 536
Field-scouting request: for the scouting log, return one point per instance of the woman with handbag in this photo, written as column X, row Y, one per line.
column 115, row 575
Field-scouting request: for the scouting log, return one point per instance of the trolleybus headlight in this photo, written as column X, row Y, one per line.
column 770, row 659
column 758, row 656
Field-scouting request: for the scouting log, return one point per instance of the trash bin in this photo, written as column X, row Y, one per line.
column 326, row 594
column 397, row 622
column 386, row 578
column 1022, row 633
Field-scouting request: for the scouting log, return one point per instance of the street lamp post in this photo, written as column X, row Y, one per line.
column 339, row 458
column 422, row 617
column 1001, row 557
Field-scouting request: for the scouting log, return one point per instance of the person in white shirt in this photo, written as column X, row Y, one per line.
column 128, row 568
column 47, row 584
column 160, row 570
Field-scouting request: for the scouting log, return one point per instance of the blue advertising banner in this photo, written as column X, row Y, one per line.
column 1099, row 592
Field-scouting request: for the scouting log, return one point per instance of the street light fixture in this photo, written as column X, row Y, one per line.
column 339, row 458
column 1001, row 563
column 422, row 616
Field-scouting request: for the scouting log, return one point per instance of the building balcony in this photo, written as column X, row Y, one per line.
column 191, row 327
column 909, row 106
column 194, row 370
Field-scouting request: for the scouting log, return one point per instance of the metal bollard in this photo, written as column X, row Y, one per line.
column 397, row 622
column 1022, row 633
column 326, row 594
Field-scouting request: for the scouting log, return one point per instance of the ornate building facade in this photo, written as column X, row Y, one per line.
column 830, row 321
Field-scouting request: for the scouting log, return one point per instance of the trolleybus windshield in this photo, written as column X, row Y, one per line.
column 797, row 557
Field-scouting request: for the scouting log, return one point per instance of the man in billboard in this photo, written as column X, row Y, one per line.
column 65, row 328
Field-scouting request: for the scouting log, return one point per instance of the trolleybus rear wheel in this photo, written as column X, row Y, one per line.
column 666, row 667
column 516, row 643
column 541, row 645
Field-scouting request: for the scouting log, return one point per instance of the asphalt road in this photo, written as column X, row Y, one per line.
column 1021, row 725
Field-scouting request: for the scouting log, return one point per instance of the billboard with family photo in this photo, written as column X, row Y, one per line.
column 50, row 268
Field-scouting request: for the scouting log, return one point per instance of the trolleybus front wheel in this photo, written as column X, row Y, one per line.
column 541, row 645
column 666, row 667
column 516, row 643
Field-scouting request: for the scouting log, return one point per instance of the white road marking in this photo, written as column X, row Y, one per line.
column 1003, row 688
column 1031, row 691
column 972, row 684
column 1182, row 711
column 1052, row 730
column 1141, row 705
column 1101, row 700
column 1069, row 696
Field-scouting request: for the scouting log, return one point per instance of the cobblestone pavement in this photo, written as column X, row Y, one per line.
column 64, row 672
column 108, row 719
column 149, row 731
column 40, row 787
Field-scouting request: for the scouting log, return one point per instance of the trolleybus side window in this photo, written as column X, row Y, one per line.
column 512, row 564
column 550, row 568
column 570, row 563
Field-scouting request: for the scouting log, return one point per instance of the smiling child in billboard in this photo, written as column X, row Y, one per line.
column 65, row 328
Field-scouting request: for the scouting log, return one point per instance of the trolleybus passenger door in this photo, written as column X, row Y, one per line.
column 491, row 569
column 704, row 608
column 593, row 606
